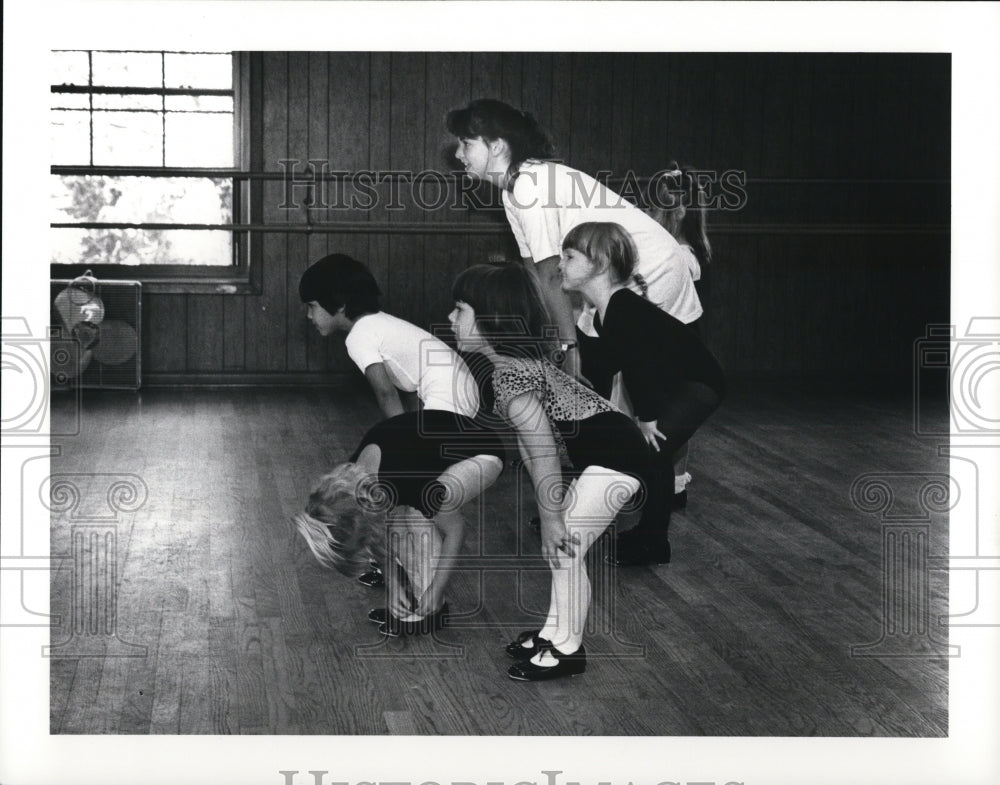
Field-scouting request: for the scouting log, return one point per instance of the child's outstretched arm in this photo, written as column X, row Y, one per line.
column 541, row 457
column 385, row 391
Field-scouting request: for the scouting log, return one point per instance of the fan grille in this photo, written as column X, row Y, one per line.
column 107, row 355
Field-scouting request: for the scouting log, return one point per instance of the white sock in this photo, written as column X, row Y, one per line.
column 681, row 482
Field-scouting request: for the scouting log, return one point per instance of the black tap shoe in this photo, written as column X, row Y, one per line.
column 566, row 665
column 373, row 578
column 519, row 651
column 394, row 628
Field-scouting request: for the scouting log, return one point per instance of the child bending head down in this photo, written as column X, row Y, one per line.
column 344, row 520
column 398, row 501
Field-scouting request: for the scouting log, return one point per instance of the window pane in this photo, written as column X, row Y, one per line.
column 121, row 129
column 92, row 198
column 200, row 247
column 140, row 246
column 209, row 71
column 200, row 103
column 149, row 102
column 128, row 139
column 70, row 68
column 128, row 69
column 199, row 140
column 70, row 138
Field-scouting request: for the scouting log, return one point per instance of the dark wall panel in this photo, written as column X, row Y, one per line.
column 266, row 318
column 590, row 113
column 205, row 326
column 315, row 245
column 832, row 266
column 164, row 334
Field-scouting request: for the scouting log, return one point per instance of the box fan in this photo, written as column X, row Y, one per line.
column 95, row 334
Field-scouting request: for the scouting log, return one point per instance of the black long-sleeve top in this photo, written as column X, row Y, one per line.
column 654, row 351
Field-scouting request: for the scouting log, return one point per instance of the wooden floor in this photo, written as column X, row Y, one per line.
column 224, row 624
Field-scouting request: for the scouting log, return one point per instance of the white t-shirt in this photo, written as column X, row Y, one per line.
column 549, row 199
column 694, row 267
column 415, row 361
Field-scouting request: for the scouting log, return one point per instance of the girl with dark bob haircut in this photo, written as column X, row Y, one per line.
column 509, row 309
column 497, row 313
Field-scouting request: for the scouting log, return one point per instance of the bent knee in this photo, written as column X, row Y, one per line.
column 467, row 480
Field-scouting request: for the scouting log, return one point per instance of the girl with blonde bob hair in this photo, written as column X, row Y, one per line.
column 674, row 383
column 398, row 500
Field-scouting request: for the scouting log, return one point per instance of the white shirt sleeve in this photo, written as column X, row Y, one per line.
column 363, row 346
column 692, row 262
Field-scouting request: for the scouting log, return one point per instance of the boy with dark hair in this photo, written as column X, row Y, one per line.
column 394, row 355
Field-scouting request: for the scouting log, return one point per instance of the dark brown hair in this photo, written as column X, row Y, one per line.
column 490, row 120
column 510, row 310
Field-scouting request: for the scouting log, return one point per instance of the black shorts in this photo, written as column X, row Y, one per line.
column 418, row 446
column 608, row 439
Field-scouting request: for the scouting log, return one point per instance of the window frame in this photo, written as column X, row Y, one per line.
column 244, row 275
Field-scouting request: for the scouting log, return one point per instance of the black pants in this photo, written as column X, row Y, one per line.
column 685, row 407
column 595, row 365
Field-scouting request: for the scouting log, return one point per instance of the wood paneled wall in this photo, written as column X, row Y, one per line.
column 833, row 267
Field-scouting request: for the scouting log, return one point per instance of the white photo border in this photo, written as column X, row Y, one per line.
column 28, row 754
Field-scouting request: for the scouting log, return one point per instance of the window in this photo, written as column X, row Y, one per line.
column 147, row 153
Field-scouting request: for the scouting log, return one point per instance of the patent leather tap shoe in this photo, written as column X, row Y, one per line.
column 394, row 628
column 519, row 651
column 372, row 578
column 566, row 665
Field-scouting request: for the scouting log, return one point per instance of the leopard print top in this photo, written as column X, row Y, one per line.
column 563, row 398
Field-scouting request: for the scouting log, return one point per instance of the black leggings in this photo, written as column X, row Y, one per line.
column 686, row 406
column 595, row 365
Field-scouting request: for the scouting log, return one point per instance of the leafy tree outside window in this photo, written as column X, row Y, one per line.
column 138, row 140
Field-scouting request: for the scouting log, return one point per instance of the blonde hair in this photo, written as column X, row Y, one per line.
column 607, row 245
column 344, row 520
